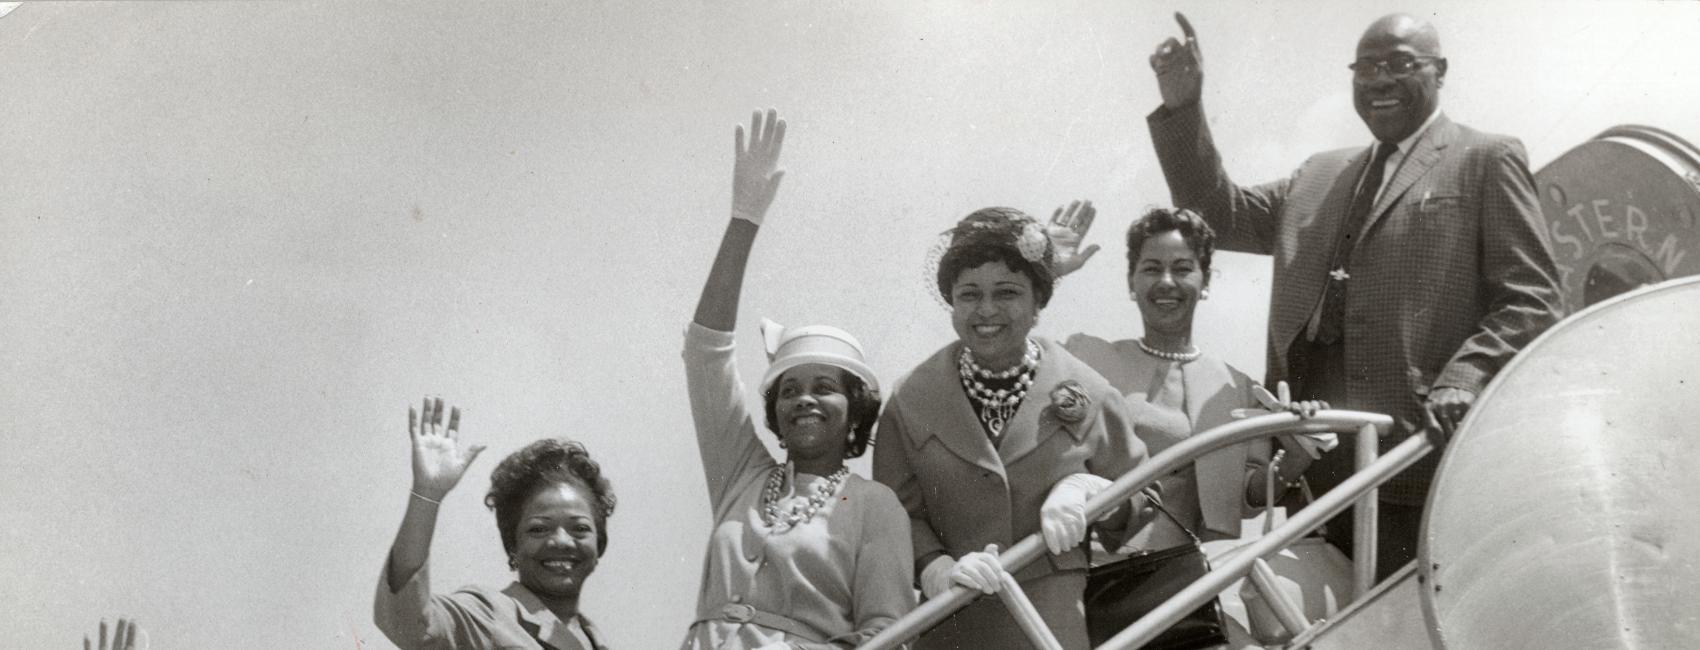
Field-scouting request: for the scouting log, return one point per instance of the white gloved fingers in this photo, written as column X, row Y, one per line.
column 973, row 572
column 935, row 578
column 1063, row 528
column 979, row 570
column 976, row 575
column 1054, row 534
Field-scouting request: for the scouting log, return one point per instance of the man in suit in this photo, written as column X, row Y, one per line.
column 1407, row 273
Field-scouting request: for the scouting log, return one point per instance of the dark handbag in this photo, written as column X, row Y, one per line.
column 1121, row 592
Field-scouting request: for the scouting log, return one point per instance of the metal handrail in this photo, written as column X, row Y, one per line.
column 1329, row 504
column 1032, row 547
column 1366, row 522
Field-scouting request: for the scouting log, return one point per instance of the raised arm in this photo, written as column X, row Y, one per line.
column 755, row 180
column 1179, row 67
column 1244, row 218
column 726, row 434
column 404, row 607
column 438, row 464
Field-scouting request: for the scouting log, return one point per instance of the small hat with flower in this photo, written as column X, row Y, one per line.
column 991, row 229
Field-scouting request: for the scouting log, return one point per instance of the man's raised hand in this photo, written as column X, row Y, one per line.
column 1179, row 67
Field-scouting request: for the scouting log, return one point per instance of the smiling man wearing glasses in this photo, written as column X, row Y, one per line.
column 1407, row 272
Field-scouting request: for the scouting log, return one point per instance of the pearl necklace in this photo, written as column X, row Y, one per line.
column 801, row 512
column 1182, row 357
column 997, row 406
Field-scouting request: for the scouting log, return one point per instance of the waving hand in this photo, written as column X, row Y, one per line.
column 755, row 170
column 438, row 459
column 126, row 636
column 1067, row 229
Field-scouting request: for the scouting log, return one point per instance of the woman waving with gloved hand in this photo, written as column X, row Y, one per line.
column 803, row 553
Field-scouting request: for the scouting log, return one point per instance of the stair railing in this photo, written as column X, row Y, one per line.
column 1360, row 486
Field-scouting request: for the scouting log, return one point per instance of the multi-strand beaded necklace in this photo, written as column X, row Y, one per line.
column 801, row 512
column 997, row 403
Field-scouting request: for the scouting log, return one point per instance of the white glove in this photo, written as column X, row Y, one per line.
column 1063, row 517
column 935, row 578
column 975, row 571
column 755, row 169
column 979, row 570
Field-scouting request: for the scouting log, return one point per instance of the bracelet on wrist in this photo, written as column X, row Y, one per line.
column 425, row 498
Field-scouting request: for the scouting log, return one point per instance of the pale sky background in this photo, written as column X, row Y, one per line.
column 237, row 241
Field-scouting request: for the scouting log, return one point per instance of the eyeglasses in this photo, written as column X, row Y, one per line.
column 1398, row 67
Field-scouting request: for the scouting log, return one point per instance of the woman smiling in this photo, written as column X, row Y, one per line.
column 1176, row 389
column 552, row 506
column 1000, row 435
column 802, row 554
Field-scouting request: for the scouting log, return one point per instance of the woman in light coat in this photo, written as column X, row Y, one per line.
column 1000, row 435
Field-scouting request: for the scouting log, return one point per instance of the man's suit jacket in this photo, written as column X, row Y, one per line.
column 1451, row 275
column 960, row 491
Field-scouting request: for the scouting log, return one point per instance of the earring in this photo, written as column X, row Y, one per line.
column 1133, row 295
column 1203, row 294
column 781, row 443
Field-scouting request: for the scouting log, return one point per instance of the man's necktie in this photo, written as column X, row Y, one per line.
column 1330, row 324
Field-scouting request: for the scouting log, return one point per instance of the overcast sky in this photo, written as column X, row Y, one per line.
column 237, row 240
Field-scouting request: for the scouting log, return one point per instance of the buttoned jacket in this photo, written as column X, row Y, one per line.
column 961, row 492
column 1452, row 272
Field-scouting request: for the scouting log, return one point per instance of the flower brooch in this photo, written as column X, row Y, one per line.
column 1069, row 401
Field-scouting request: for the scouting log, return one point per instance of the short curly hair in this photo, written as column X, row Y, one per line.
column 540, row 466
column 995, row 235
column 864, row 411
column 1194, row 231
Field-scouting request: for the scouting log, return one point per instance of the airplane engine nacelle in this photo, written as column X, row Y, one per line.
column 1566, row 513
column 1622, row 211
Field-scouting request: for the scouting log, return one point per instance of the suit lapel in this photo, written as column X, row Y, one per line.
column 942, row 411
column 1034, row 422
column 1306, row 274
column 541, row 623
column 1425, row 152
column 1204, row 380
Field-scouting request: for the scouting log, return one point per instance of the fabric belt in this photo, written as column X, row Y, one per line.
column 741, row 613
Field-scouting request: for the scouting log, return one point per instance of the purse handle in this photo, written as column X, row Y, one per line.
column 1269, row 489
column 1156, row 501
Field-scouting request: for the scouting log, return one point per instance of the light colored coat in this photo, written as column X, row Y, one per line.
column 1213, row 390
column 962, row 493
column 838, row 578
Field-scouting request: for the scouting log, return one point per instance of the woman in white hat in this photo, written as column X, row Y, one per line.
column 803, row 553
